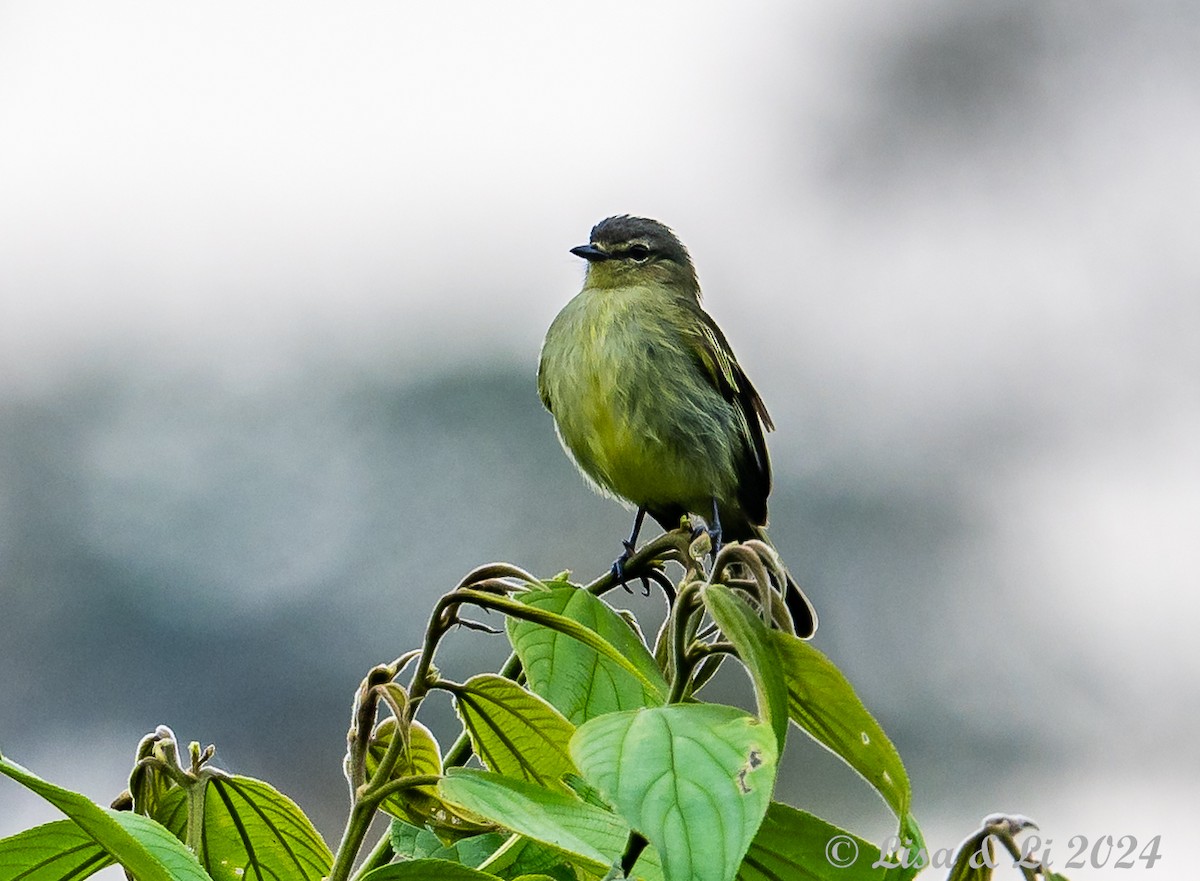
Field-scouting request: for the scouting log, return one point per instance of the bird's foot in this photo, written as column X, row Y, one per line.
column 714, row 530
column 618, row 569
column 714, row 536
column 618, row 566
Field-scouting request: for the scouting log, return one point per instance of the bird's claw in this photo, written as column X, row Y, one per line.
column 618, row 569
column 714, row 536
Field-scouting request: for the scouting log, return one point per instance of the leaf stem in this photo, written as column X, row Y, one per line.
column 196, row 790
column 381, row 854
column 357, row 824
column 439, row 624
column 681, row 615
column 379, row 793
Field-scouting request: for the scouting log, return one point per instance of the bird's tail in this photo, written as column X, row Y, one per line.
column 803, row 615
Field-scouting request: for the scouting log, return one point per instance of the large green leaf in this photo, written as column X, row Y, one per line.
column 751, row 637
column 417, row 843
column 914, row 844
column 58, row 851
column 251, row 832
column 588, row 833
column 797, row 846
column 427, row 870
column 513, row 731
column 422, row 757
column 163, row 844
column 695, row 779
column 525, row 857
column 596, row 666
column 170, row 809
column 141, row 845
column 505, row 854
column 824, row 704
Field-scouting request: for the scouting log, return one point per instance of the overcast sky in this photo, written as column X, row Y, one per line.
column 944, row 238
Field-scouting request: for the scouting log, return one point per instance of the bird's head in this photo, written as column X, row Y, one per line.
column 624, row 250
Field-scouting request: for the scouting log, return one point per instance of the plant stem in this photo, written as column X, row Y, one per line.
column 357, row 824
column 381, row 854
column 458, row 754
column 681, row 615
column 196, row 790
column 379, row 793
column 438, row 627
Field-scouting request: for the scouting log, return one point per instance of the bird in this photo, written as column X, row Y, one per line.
column 650, row 402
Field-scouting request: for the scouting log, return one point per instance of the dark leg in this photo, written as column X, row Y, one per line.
column 714, row 530
column 618, row 566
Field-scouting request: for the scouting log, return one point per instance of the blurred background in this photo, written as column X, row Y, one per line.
column 273, row 279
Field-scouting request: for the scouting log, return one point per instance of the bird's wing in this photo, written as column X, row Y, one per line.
column 543, row 386
column 719, row 365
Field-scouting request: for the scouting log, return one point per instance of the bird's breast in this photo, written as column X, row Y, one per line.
column 619, row 381
column 595, row 374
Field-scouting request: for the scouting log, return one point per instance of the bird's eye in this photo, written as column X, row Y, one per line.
column 639, row 253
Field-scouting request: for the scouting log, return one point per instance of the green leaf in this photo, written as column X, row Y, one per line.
column 427, row 870
column 414, row 843
column 752, row 638
column 583, row 658
column 475, row 850
column 824, row 704
column 139, row 844
column 695, row 779
column 251, row 832
column 148, row 783
column 53, row 852
column 586, row 791
column 170, row 809
column 975, row 859
column 163, row 844
column 522, row 856
column 514, row 732
column 797, row 846
column 914, row 844
column 422, row 757
column 588, row 833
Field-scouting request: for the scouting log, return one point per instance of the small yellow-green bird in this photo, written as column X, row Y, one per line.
column 648, row 398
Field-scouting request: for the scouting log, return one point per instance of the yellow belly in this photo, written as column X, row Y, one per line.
column 632, row 408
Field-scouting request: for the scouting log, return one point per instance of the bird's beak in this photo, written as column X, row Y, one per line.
column 590, row 253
